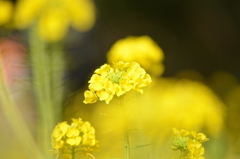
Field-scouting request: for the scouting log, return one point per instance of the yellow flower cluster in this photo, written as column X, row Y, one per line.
column 189, row 143
column 6, row 8
column 79, row 135
column 193, row 106
column 54, row 16
column 141, row 49
column 119, row 79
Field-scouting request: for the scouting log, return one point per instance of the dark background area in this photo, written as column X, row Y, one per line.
column 201, row 35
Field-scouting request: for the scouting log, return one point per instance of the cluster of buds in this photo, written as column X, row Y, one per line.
column 77, row 137
column 189, row 143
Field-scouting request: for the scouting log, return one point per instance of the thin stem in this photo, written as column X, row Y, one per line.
column 125, row 130
column 73, row 153
column 41, row 85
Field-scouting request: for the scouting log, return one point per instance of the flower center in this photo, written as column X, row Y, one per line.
column 180, row 143
column 115, row 76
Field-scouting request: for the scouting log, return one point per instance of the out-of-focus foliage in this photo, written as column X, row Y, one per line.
column 14, row 59
column 191, row 75
column 222, row 82
column 141, row 49
column 16, row 77
column 233, row 125
column 53, row 17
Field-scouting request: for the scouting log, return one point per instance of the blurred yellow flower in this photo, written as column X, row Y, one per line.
column 182, row 103
column 200, row 137
column 195, row 149
column 59, row 131
column 80, row 135
column 6, row 9
column 117, row 80
column 53, row 17
column 182, row 132
column 188, row 144
column 141, row 49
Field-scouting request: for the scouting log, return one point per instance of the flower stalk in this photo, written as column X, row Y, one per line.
column 47, row 68
column 125, row 129
column 73, row 153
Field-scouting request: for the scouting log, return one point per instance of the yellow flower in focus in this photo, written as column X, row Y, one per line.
column 119, row 79
column 90, row 97
column 6, row 8
column 188, row 144
column 53, row 17
column 141, row 49
column 79, row 134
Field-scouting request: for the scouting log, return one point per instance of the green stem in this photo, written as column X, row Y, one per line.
column 73, row 153
column 16, row 121
column 46, row 82
column 125, row 130
column 57, row 66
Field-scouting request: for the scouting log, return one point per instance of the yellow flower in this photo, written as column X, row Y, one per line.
column 72, row 132
column 141, row 49
column 195, row 149
column 191, row 105
column 74, row 141
column 182, row 132
column 58, row 144
column 190, row 146
column 53, row 17
column 59, row 131
column 200, row 137
column 80, row 135
column 119, row 79
column 6, row 9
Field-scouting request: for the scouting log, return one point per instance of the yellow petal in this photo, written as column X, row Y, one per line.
column 102, row 95
column 90, row 97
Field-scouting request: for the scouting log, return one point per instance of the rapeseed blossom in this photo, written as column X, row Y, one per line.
column 79, row 135
column 117, row 80
column 6, row 8
column 53, row 17
column 189, row 143
column 192, row 105
column 141, row 49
